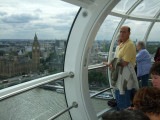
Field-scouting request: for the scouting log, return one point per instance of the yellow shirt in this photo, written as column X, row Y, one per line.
column 127, row 51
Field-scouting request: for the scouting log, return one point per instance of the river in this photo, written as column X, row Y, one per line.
column 39, row 104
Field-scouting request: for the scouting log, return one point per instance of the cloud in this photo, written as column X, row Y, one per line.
column 3, row 13
column 38, row 11
column 20, row 18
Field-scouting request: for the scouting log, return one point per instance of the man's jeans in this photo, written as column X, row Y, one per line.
column 144, row 80
column 124, row 100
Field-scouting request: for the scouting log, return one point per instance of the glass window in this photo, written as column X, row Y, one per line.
column 33, row 39
column 32, row 45
column 147, row 8
column 100, row 48
column 153, row 41
column 123, row 6
column 138, row 29
column 98, row 78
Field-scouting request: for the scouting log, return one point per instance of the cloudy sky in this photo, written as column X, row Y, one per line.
column 52, row 19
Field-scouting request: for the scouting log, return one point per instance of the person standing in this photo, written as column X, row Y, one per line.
column 119, row 41
column 143, row 60
column 157, row 55
column 127, row 52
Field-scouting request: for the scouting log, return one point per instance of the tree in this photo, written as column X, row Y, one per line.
column 97, row 78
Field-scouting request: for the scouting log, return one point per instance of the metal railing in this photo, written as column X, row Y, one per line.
column 74, row 105
column 100, row 92
column 96, row 66
column 20, row 88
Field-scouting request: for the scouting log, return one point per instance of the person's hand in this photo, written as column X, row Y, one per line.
column 105, row 63
column 111, row 67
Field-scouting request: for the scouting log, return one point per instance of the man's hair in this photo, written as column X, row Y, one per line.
column 147, row 99
column 129, row 29
column 141, row 44
column 125, row 115
column 155, row 69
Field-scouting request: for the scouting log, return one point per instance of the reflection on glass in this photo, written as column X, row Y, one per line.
column 98, row 78
column 123, row 6
column 33, row 39
column 100, row 48
column 153, row 41
column 138, row 29
column 37, row 104
column 147, row 8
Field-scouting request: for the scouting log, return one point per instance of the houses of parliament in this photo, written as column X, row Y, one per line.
column 11, row 65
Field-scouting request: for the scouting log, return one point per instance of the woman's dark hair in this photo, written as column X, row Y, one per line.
column 147, row 99
column 157, row 55
column 155, row 69
column 125, row 115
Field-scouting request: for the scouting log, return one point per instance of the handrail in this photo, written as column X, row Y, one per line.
column 96, row 66
column 20, row 88
column 74, row 105
column 100, row 92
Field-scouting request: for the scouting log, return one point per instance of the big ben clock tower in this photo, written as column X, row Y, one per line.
column 35, row 55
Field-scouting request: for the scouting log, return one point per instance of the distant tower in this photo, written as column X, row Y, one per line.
column 35, row 55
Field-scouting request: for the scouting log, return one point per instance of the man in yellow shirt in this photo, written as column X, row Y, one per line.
column 127, row 51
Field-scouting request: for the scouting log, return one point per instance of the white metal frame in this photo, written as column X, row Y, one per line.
column 151, row 25
column 80, row 43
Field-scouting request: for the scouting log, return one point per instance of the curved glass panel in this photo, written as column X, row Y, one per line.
column 153, row 41
column 98, row 78
column 123, row 6
column 147, row 8
column 32, row 45
column 33, row 39
column 100, row 48
column 138, row 29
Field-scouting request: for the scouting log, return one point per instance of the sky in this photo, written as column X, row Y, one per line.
column 52, row 19
column 49, row 19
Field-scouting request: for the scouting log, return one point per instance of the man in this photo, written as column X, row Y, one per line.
column 127, row 49
column 127, row 52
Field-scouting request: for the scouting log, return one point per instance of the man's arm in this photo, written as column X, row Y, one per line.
column 124, row 63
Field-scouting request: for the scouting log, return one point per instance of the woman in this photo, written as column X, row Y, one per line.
column 143, row 60
column 157, row 55
column 155, row 74
column 147, row 99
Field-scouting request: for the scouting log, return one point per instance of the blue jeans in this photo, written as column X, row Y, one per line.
column 124, row 100
column 144, row 80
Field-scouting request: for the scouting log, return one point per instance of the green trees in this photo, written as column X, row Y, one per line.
column 97, row 78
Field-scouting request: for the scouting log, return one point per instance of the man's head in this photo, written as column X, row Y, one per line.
column 155, row 74
column 125, row 33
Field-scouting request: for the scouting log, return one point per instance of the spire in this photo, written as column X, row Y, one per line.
column 35, row 37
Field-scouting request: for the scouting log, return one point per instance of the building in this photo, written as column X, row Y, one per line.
column 35, row 55
column 11, row 65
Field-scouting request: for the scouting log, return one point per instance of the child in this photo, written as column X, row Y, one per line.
column 155, row 74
